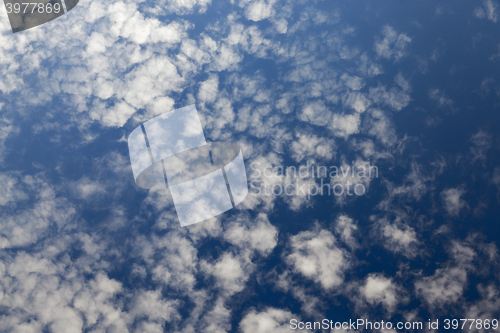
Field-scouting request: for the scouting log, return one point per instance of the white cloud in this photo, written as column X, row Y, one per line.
column 258, row 234
column 221, row 115
column 297, row 186
column 452, row 200
column 178, row 260
column 250, row 38
column 487, row 306
column 368, row 149
column 115, row 116
column 344, row 125
column 218, row 320
column 208, row 90
column 10, row 189
column 481, row 144
column 446, row 286
column 259, row 10
column 415, row 184
column 378, row 289
column 316, row 113
column 155, row 77
column 398, row 237
column 353, row 82
column 185, row 6
column 316, row 255
column 354, row 179
column 44, row 291
column 367, row 67
column 393, row 45
column 86, row 188
column 488, row 11
column 270, row 320
column 258, row 179
column 462, row 253
column 311, row 146
column 46, row 211
column 6, row 130
column 380, row 126
column 346, row 228
column 126, row 42
column 281, row 25
column 231, row 272
column 496, row 177
column 356, row 101
column 151, row 305
column 439, row 96
column 394, row 98
column 402, row 82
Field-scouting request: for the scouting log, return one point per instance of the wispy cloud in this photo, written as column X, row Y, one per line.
column 488, row 11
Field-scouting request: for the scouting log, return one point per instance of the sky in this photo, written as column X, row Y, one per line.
column 409, row 89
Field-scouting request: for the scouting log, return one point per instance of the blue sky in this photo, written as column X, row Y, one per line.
column 410, row 88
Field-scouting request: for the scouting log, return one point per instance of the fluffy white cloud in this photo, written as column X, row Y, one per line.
column 6, row 129
column 151, row 305
column 393, row 45
column 184, row 6
column 350, row 181
column 378, row 289
column 270, row 320
column 33, row 222
column 10, row 189
column 343, row 125
column 231, row 272
column 316, row 113
column 415, row 184
column 218, row 319
column 481, row 142
column 446, row 286
column 95, row 86
column 398, row 237
column 42, row 292
column 403, row 82
column 311, row 146
column 452, row 200
column 440, row 97
column 316, row 255
column 258, row 234
column 346, row 228
column 488, row 11
column 86, row 188
column 258, row 10
column 177, row 263
column 394, row 98
column 380, row 126
column 209, row 89
column 353, row 82
column 357, row 101
column 487, row 306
